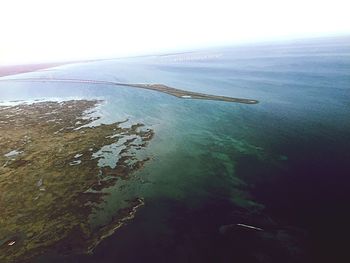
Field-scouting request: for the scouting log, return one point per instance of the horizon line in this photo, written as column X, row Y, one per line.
column 180, row 51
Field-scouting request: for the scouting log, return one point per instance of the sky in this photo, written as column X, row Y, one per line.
column 33, row 31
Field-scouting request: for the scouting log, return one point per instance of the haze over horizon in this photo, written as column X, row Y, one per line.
column 46, row 31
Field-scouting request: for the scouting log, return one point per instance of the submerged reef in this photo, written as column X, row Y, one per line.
column 53, row 172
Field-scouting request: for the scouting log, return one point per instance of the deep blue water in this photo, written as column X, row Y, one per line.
column 281, row 165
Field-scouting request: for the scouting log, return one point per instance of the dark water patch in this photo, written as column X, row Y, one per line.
column 196, row 235
column 309, row 190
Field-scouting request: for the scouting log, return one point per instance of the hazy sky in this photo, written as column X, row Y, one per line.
column 59, row 30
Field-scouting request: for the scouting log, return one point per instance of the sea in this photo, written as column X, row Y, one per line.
column 226, row 182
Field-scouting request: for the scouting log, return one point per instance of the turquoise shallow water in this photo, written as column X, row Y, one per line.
column 281, row 165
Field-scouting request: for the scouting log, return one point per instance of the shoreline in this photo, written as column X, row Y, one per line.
column 179, row 93
column 19, row 69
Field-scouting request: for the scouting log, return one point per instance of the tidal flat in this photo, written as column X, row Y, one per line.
column 53, row 176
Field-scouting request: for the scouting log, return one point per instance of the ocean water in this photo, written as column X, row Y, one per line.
column 281, row 165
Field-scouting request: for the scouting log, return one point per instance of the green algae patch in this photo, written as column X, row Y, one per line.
column 53, row 171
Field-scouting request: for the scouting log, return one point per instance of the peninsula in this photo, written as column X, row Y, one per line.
column 179, row 93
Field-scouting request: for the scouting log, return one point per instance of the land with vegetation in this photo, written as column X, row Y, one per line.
column 53, row 174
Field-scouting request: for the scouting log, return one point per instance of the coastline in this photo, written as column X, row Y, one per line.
column 18, row 69
column 179, row 93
